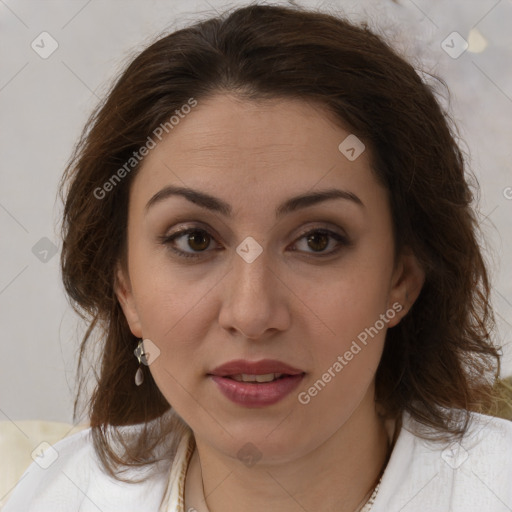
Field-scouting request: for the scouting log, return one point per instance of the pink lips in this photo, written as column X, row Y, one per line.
column 251, row 394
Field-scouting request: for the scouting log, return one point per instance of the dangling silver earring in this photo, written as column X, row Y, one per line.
column 139, row 354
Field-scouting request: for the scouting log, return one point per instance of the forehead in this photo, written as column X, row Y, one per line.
column 226, row 123
column 229, row 144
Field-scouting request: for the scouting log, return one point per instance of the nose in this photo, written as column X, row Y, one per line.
column 255, row 299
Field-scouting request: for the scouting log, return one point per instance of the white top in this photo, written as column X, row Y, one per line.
column 421, row 476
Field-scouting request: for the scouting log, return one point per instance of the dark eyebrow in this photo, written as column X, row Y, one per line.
column 218, row 205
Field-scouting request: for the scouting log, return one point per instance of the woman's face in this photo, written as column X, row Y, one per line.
column 313, row 284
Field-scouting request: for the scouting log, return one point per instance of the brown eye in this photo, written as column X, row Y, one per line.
column 318, row 241
column 198, row 240
column 188, row 243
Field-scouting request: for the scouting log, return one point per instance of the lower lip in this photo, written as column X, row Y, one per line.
column 257, row 395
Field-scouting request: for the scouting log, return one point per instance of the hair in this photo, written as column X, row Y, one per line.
column 439, row 362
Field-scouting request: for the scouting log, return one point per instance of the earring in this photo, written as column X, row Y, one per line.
column 139, row 354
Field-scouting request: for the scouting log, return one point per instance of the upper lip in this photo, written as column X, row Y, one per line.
column 262, row 367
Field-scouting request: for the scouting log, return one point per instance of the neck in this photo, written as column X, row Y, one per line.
column 339, row 474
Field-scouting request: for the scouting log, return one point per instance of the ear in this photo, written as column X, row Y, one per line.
column 407, row 282
column 123, row 291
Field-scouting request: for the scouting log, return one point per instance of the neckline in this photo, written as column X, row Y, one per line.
column 176, row 488
column 173, row 499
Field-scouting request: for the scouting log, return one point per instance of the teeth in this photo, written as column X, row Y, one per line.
column 268, row 377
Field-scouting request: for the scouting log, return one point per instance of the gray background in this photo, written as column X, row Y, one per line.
column 45, row 102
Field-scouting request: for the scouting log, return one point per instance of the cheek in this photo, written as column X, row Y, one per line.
column 347, row 348
column 165, row 293
column 352, row 307
column 176, row 319
column 352, row 328
column 176, row 312
column 173, row 314
column 351, row 300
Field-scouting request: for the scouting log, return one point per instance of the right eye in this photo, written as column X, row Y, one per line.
column 193, row 238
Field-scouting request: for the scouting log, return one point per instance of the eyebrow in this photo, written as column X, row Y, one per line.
column 215, row 204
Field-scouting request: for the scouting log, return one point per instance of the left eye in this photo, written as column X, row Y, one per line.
column 199, row 240
column 319, row 239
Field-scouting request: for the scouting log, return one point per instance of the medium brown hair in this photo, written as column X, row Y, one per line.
column 438, row 362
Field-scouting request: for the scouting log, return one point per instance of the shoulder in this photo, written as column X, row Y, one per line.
column 488, row 433
column 69, row 477
column 62, row 465
column 472, row 474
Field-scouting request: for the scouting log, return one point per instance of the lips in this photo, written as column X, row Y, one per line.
column 256, row 383
column 250, row 394
column 263, row 367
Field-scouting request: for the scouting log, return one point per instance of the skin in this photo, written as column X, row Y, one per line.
column 290, row 305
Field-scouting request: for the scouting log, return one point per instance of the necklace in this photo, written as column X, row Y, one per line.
column 369, row 504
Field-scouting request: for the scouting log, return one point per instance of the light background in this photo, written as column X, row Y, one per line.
column 45, row 102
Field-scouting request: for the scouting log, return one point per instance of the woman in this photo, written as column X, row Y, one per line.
column 269, row 220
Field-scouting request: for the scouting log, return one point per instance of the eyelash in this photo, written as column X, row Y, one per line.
column 168, row 239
